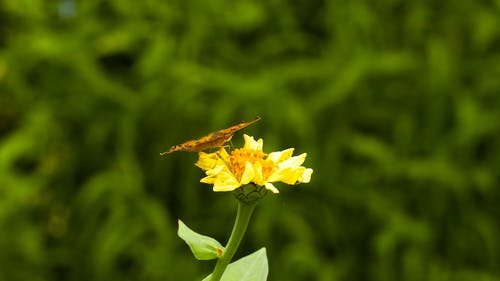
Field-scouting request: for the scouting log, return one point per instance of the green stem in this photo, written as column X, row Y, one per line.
column 240, row 226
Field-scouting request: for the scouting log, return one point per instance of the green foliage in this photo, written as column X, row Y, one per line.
column 396, row 103
column 250, row 268
column 203, row 247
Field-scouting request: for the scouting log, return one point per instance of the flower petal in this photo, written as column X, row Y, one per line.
column 271, row 187
column 208, row 179
column 221, row 187
column 223, row 154
column 258, row 176
column 280, row 156
column 293, row 162
column 250, row 143
column 224, row 187
column 212, row 174
column 248, row 174
column 291, row 175
column 306, row 176
column 206, row 161
column 225, row 181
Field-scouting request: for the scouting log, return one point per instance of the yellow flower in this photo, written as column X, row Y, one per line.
column 250, row 164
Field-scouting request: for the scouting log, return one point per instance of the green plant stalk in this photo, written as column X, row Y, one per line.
column 240, row 226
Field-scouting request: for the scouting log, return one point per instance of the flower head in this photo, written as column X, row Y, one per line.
column 249, row 164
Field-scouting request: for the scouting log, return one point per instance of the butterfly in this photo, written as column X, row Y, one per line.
column 215, row 139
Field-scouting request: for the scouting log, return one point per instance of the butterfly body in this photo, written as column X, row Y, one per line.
column 215, row 139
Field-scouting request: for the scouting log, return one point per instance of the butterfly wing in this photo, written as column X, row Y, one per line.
column 233, row 129
column 200, row 144
column 215, row 139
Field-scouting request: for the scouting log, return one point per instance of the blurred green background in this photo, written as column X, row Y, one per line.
column 396, row 103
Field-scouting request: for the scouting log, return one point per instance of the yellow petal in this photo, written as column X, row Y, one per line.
column 306, row 176
column 270, row 186
column 225, row 181
column 293, row 162
column 212, row 174
column 280, row 156
column 291, row 175
column 288, row 176
column 258, row 175
column 224, row 187
column 216, row 170
column 207, row 161
column 250, row 143
column 289, row 170
column 248, row 174
column 208, row 179
column 223, row 154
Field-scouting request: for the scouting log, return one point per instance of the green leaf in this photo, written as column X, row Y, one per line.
column 250, row 268
column 203, row 247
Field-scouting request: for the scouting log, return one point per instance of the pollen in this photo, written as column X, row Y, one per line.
column 239, row 157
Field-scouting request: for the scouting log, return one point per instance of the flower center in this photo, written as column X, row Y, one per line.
column 239, row 157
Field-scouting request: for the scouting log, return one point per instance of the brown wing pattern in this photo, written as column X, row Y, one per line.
column 215, row 139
